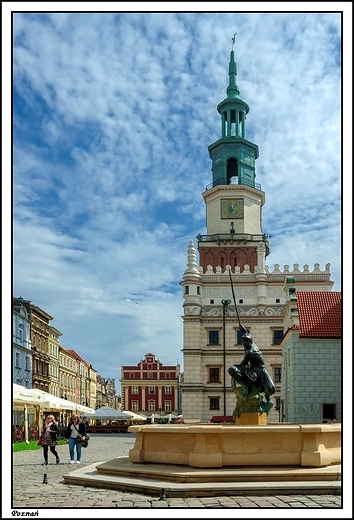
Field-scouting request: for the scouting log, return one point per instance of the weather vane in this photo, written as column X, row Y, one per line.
column 233, row 40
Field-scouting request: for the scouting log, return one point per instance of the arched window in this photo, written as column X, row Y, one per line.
column 232, row 171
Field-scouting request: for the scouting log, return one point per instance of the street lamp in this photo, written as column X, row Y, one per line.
column 281, row 410
column 225, row 303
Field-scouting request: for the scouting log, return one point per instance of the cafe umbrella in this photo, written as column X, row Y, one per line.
column 109, row 413
column 41, row 401
column 135, row 416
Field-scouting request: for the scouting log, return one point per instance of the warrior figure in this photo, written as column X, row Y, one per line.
column 252, row 371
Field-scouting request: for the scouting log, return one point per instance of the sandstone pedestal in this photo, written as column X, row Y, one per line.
column 190, row 461
column 251, row 419
column 211, row 446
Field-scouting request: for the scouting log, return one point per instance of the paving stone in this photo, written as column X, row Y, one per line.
column 124, row 504
column 30, row 492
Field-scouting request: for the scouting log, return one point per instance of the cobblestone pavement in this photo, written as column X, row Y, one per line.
column 30, row 492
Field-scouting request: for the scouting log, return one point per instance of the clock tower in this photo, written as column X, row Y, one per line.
column 233, row 200
column 234, row 242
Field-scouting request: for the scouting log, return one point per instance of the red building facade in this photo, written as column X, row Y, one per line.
column 150, row 386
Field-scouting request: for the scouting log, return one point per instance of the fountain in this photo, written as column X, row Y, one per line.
column 249, row 457
column 250, row 441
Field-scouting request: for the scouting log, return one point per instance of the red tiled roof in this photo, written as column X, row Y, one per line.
column 320, row 314
column 78, row 357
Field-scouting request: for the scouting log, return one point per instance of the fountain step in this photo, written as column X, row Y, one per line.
column 184, row 481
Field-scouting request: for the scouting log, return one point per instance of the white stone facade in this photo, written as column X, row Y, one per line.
column 203, row 312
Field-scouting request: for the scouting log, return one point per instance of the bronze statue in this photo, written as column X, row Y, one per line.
column 251, row 374
column 252, row 370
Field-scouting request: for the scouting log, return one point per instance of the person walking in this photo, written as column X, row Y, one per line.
column 50, row 433
column 75, row 432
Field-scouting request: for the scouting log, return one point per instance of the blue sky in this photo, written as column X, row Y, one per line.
column 112, row 117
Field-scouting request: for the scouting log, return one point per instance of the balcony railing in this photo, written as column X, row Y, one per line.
column 233, row 237
column 233, row 180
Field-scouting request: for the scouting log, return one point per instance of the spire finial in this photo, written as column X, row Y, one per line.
column 232, row 90
column 233, row 41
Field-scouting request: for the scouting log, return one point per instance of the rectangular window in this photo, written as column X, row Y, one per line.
column 329, row 411
column 198, row 289
column 151, row 406
column 17, row 360
column 214, row 403
column 239, row 336
column 135, row 406
column 151, row 389
column 186, row 289
column 214, row 375
column 277, row 374
column 213, row 337
column 168, row 390
column 135, row 390
column 168, row 406
column 292, row 293
column 277, row 336
column 149, row 375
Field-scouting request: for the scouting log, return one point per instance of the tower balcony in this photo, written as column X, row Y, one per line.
column 235, row 239
column 233, row 180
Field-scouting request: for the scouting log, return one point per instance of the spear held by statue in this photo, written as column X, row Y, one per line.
column 242, row 327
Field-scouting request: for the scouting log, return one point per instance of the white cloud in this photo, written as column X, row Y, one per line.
column 113, row 117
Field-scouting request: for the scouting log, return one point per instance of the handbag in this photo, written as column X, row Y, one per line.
column 85, row 439
column 39, row 442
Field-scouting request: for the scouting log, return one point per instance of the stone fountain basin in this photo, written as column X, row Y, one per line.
column 216, row 446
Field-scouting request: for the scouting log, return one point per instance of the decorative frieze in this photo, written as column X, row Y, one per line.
column 242, row 311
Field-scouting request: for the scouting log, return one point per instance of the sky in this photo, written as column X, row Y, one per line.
column 112, row 116
column 106, row 138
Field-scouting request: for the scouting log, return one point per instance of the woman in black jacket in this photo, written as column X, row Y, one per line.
column 75, row 432
column 50, row 433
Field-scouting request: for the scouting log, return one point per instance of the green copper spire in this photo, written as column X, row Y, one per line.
column 233, row 155
column 233, row 109
column 232, row 90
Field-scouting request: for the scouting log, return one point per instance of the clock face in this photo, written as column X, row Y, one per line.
column 231, row 208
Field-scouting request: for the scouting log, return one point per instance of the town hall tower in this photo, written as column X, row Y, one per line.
column 234, row 242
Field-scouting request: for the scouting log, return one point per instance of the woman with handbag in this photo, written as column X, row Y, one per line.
column 49, row 436
column 76, row 432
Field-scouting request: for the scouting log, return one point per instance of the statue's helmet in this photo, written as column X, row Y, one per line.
column 247, row 338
